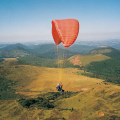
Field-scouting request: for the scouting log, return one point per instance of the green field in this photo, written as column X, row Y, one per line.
column 29, row 93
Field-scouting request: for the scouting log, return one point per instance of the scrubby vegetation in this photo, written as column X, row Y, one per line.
column 1, row 59
column 36, row 102
column 17, row 52
column 6, row 92
column 45, row 101
column 108, row 70
column 108, row 51
column 37, row 61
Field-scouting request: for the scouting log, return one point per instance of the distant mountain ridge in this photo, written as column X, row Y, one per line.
column 51, row 51
column 40, row 49
column 81, row 49
column 114, row 43
column 13, row 46
column 45, row 50
column 13, row 53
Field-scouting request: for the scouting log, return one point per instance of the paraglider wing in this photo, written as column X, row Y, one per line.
column 65, row 31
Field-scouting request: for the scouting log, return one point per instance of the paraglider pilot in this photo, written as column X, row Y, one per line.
column 59, row 88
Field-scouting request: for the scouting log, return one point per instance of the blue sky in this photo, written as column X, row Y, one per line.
column 30, row 20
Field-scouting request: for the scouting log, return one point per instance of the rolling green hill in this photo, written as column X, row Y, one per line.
column 46, row 50
column 17, row 52
column 13, row 46
column 81, row 49
column 86, row 59
column 52, row 51
column 108, row 70
column 40, row 49
column 59, row 53
column 99, row 65
column 108, row 51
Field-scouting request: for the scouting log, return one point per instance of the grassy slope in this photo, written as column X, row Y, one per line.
column 87, row 59
column 107, row 51
column 95, row 95
column 99, row 66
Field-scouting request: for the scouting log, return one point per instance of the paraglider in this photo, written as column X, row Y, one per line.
column 65, row 31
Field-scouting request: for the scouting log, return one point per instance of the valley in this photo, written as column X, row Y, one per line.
column 91, row 84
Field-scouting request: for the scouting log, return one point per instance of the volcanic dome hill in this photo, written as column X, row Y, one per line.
column 108, row 51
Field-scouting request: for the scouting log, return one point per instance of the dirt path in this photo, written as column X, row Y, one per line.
column 97, row 57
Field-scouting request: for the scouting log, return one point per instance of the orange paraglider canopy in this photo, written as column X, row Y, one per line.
column 65, row 31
